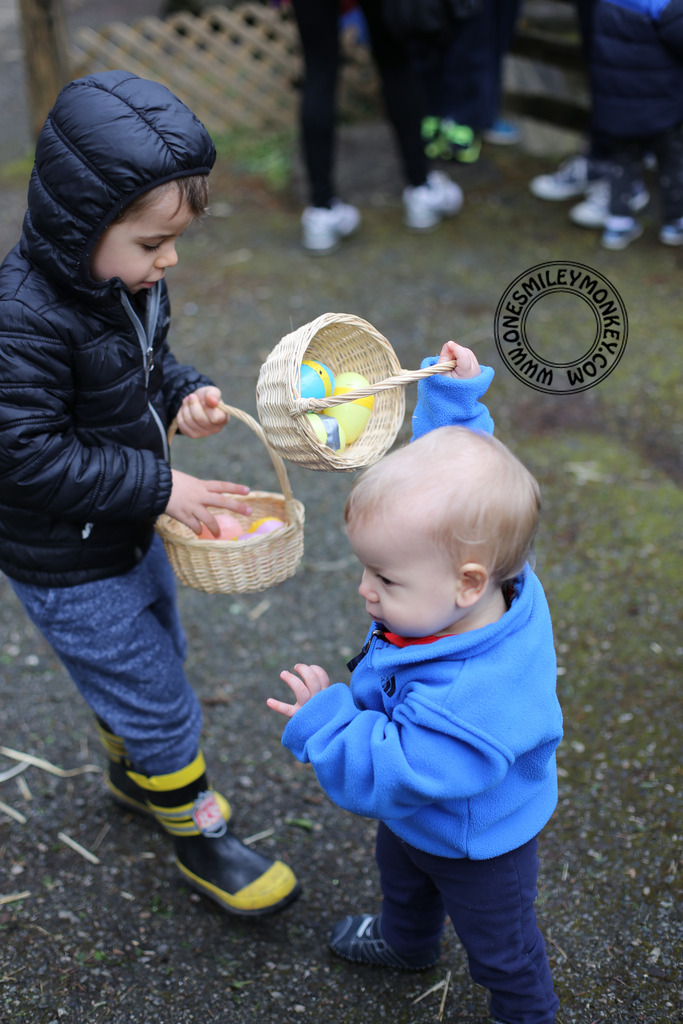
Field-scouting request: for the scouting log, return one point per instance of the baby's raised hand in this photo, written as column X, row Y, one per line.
column 467, row 364
column 311, row 679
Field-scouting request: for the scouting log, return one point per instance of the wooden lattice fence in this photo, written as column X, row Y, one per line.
column 241, row 67
column 233, row 67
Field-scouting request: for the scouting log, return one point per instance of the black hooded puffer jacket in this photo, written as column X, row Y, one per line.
column 88, row 387
column 637, row 67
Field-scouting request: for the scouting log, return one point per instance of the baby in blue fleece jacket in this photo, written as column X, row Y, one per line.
column 448, row 731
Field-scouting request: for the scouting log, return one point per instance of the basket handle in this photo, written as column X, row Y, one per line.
column 304, row 405
column 278, row 464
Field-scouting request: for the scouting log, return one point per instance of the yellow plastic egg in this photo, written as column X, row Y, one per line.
column 328, row 430
column 352, row 416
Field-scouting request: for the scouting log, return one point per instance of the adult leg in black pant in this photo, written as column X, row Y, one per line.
column 401, row 91
column 326, row 220
column 427, row 198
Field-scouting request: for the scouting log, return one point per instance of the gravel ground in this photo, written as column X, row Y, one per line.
column 123, row 940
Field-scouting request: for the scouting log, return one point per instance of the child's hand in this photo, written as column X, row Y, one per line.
column 191, row 497
column 467, row 364
column 311, row 680
column 199, row 416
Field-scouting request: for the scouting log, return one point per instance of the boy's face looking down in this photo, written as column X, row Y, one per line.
column 139, row 248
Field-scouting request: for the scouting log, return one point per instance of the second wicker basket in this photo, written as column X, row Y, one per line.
column 236, row 567
column 343, row 342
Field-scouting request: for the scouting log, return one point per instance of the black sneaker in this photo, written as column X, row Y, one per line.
column 359, row 939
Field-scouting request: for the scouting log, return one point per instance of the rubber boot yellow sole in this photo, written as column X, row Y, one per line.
column 239, row 879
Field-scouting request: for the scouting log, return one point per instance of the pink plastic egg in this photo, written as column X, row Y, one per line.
column 230, row 528
column 266, row 525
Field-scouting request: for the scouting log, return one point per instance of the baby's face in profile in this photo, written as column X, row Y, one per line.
column 408, row 584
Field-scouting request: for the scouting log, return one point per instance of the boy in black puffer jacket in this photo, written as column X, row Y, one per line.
column 637, row 86
column 88, row 387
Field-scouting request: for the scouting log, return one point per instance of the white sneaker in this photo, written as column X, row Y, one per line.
column 324, row 227
column 620, row 232
column 425, row 205
column 569, row 180
column 594, row 210
column 672, row 234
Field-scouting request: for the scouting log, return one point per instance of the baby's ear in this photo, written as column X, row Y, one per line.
column 471, row 582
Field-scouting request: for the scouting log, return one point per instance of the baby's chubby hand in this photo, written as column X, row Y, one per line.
column 467, row 364
column 199, row 415
column 311, row 679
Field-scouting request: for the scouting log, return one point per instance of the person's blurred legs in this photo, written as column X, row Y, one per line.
column 669, row 152
column 326, row 220
column 402, row 92
column 319, row 32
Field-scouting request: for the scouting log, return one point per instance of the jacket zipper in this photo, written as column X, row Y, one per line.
column 145, row 339
column 377, row 634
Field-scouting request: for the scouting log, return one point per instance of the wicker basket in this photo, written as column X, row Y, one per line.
column 244, row 566
column 344, row 343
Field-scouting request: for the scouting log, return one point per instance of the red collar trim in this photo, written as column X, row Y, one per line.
column 409, row 641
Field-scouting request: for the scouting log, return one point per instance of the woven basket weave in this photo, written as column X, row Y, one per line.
column 344, row 343
column 244, row 566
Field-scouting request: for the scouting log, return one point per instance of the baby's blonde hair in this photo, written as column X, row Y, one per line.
column 463, row 491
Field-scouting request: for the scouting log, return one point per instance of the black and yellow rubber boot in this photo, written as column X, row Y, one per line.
column 122, row 788
column 120, row 783
column 211, row 858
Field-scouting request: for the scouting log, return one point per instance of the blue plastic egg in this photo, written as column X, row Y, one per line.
column 317, row 380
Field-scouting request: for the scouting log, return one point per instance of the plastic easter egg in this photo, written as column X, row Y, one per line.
column 266, row 525
column 348, row 381
column 352, row 416
column 328, row 430
column 317, row 380
column 230, row 528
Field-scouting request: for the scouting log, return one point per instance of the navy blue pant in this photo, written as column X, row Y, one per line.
column 461, row 70
column 121, row 641
column 627, row 169
column 491, row 906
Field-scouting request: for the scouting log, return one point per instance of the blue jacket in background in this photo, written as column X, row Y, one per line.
column 637, row 67
column 452, row 743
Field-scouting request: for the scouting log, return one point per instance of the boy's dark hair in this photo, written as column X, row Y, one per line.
column 193, row 191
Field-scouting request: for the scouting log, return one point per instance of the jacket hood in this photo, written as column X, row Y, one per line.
column 108, row 138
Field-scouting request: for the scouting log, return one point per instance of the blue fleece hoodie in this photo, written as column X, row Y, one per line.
column 450, row 743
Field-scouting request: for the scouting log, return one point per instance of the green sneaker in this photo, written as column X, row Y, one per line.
column 431, row 140
column 461, row 141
